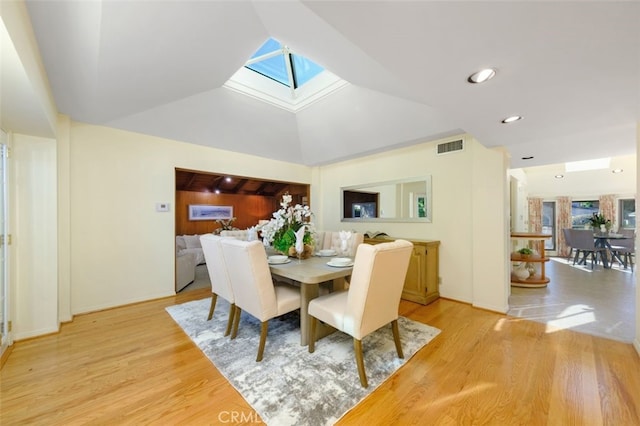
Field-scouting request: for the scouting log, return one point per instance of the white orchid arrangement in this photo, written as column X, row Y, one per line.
column 280, row 231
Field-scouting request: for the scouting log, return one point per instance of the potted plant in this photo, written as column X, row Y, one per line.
column 280, row 231
column 525, row 252
column 599, row 222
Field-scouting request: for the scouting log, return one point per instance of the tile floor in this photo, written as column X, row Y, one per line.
column 600, row 302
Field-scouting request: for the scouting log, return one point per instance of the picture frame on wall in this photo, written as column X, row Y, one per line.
column 209, row 212
column 363, row 210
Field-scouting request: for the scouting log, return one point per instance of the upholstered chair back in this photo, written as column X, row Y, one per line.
column 318, row 241
column 212, row 249
column 239, row 234
column 377, row 280
column 566, row 232
column 332, row 241
column 627, row 244
column 250, row 277
column 582, row 239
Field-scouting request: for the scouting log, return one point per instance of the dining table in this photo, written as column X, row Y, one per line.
column 310, row 273
column 602, row 240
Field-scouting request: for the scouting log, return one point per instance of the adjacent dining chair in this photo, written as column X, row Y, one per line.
column 566, row 233
column 372, row 300
column 220, row 284
column 583, row 242
column 253, row 287
column 625, row 249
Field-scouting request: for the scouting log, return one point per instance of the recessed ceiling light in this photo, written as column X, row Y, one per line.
column 512, row 119
column 228, row 179
column 559, row 176
column 482, row 76
column 616, row 171
column 528, row 158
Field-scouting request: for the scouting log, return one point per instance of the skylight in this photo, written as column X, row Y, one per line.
column 277, row 75
column 277, row 62
column 579, row 166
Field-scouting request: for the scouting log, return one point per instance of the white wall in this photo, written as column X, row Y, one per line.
column 33, row 224
column 453, row 185
column 122, row 250
column 489, row 213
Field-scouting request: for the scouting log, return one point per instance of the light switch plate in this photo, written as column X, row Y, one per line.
column 162, row 207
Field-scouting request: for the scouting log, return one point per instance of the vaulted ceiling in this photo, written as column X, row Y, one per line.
column 571, row 69
column 190, row 180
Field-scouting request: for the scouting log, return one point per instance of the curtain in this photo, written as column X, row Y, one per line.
column 535, row 220
column 608, row 207
column 563, row 220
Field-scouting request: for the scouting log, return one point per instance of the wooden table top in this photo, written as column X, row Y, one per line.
column 313, row 270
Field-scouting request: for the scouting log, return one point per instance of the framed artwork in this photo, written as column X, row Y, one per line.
column 209, row 212
column 363, row 210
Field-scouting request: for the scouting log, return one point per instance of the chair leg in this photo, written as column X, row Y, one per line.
column 214, row 297
column 357, row 348
column 396, row 338
column 263, row 339
column 312, row 333
column 236, row 321
column 232, row 310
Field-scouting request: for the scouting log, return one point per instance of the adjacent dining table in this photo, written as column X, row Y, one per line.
column 310, row 273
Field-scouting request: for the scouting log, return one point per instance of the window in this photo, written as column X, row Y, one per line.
column 549, row 223
column 627, row 213
column 581, row 212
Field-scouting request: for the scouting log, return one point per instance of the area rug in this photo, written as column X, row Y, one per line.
column 291, row 386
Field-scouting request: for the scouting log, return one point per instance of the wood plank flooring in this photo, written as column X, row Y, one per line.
column 134, row 365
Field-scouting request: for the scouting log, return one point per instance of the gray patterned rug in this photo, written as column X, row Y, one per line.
column 291, row 386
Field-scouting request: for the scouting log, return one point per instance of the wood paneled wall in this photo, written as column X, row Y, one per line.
column 248, row 210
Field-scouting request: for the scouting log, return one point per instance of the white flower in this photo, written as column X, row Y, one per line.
column 287, row 217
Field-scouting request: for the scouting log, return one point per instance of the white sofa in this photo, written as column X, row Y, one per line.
column 190, row 244
column 185, row 270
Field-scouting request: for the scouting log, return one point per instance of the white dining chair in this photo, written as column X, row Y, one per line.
column 372, row 300
column 333, row 241
column 253, row 287
column 220, row 284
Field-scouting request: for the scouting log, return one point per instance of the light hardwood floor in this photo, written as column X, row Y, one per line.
column 134, row 365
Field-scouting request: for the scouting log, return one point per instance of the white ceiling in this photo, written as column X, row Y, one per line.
column 571, row 69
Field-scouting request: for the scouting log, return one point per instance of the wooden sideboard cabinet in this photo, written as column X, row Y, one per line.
column 421, row 284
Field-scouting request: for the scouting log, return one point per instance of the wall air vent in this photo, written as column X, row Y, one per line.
column 449, row 147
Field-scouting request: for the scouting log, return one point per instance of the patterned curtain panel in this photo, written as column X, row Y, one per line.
column 535, row 219
column 563, row 220
column 608, row 207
